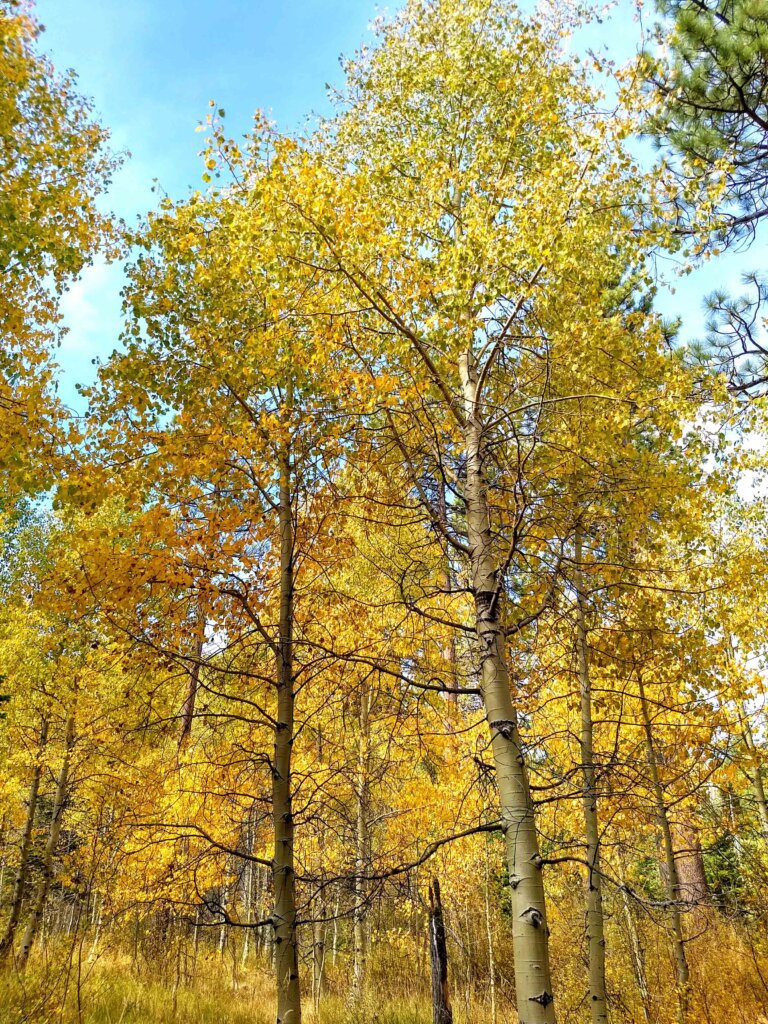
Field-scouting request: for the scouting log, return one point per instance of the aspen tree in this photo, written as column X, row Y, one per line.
column 51, row 844
column 6, row 943
column 283, row 870
column 594, row 918
column 54, row 164
column 455, row 244
column 362, row 840
column 674, row 895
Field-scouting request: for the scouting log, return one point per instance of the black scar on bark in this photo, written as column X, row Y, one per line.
column 534, row 916
column 544, row 999
column 485, row 600
column 505, row 727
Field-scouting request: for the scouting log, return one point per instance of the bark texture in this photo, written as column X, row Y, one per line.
column 438, row 954
column 689, row 859
column 670, row 875
column 57, row 815
column 636, row 951
column 533, row 984
column 756, row 774
column 6, row 943
column 594, row 919
column 193, row 682
column 362, row 844
column 283, row 874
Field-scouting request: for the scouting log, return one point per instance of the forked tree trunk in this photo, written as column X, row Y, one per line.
column 595, row 923
column 533, row 985
column 57, row 816
column 283, row 874
column 438, row 955
column 672, row 880
column 6, row 943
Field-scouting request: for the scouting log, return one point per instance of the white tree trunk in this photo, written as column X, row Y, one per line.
column 533, row 985
column 595, row 924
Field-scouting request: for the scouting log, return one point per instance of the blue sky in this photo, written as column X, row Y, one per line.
column 151, row 66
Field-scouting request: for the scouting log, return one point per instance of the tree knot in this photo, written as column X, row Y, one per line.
column 505, row 727
column 544, row 999
column 534, row 917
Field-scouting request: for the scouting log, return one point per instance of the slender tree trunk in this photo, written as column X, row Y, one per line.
column 59, row 801
column 319, row 934
column 283, row 875
column 6, row 943
column 636, row 953
column 756, row 775
column 533, row 983
column 193, row 681
column 248, row 888
column 96, row 925
column 438, row 954
column 489, row 936
column 335, row 944
column 595, row 923
column 362, row 843
column 453, row 673
column 671, row 876
column 223, row 926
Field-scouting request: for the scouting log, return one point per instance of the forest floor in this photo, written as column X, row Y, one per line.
column 75, row 989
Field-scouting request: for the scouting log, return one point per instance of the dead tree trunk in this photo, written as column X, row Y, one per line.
column 283, row 873
column 438, row 954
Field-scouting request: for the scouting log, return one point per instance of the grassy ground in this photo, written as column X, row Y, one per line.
column 70, row 988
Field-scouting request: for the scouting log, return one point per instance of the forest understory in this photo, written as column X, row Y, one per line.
column 91, row 978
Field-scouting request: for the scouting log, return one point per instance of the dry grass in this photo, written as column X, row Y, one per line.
column 68, row 989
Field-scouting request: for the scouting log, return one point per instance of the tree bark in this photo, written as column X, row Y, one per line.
column 193, row 681
column 283, row 873
column 59, row 802
column 636, row 951
column 533, row 984
column 319, row 934
column 362, row 843
column 451, row 652
column 249, row 884
column 692, row 878
column 489, row 937
column 438, row 954
column 6, row 943
column 672, row 880
column 756, row 775
column 595, row 922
